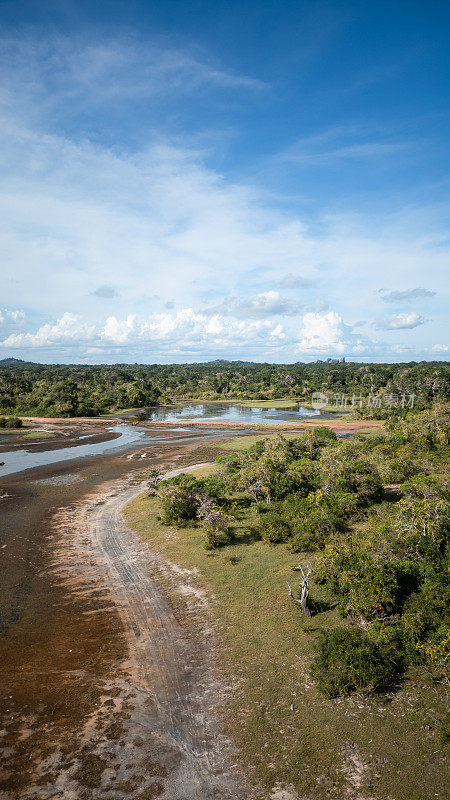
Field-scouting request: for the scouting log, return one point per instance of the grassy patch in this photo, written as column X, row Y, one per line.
column 244, row 442
column 38, row 435
column 265, row 647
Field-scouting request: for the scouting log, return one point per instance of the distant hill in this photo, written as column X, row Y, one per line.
column 14, row 362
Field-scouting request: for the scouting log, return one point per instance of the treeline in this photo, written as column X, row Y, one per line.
column 380, row 555
column 75, row 390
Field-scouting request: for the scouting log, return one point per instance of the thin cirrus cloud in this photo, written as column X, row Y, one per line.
column 345, row 143
column 120, row 70
column 397, row 322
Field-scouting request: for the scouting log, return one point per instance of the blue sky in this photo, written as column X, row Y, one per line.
column 183, row 181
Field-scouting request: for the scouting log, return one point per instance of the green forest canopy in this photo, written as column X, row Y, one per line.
column 77, row 390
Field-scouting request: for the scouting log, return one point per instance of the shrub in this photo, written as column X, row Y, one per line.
column 399, row 469
column 427, row 487
column 11, row 422
column 218, row 531
column 311, row 531
column 426, row 619
column 324, row 436
column 348, row 661
column 213, row 486
column 179, row 499
column 368, row 583
column 422, row 526
column 273, row 527
column 352, row 475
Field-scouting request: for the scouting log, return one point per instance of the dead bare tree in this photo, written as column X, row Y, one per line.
column 304, row 590
column 154, row 478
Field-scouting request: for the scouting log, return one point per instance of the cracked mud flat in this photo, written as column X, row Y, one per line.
column 153, row 731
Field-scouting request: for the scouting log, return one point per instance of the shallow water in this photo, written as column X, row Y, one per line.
column 130, row 436
column 228, row 412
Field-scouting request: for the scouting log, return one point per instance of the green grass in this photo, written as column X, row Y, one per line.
column 264, row 650
column 38, row 435
column 282, row 403
column 244, row 442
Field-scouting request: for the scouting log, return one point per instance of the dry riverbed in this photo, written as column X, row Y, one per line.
column 104, row 693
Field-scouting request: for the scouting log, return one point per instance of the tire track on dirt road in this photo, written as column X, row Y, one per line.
column 172, row 672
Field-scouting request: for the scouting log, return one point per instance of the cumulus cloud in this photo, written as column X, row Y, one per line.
column 327, row 332
column 11, row 320
column 400, row 321
column 69, row 330
column 189, row 327
column 8, row 317
column 440, row 348
column 183, row 328
column 399, row 296
column 322, row 332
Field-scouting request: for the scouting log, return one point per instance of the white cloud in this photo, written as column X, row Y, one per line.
column 400, row 321
column 441, row 348
column 9, row 317
column 62, row 74
column 264, row 304
column 184, row 328
column 340, row 144
column 155, row 228
column 69, row 330
column 11, row 320
column 322, row 332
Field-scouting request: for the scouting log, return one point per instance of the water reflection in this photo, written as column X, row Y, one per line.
column 226, row 412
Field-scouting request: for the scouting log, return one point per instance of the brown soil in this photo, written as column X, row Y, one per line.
column 89, row 708
column 65, row 433
column 338, row 427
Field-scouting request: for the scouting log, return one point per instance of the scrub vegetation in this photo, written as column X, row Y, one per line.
column 367, row 518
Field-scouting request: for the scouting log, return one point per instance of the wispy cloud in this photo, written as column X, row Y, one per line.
column 56, row 76
column 400, row 296
column 341, row 144
column 291, row 281
column 156, row 227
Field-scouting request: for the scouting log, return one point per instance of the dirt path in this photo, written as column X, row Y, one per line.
column 167, row 742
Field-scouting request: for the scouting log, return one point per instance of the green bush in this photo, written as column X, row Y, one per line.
column 179, row 499
column 218, row 531
column 347, row 660
column 273, row 527
column 368, row 584
column 324, row 436
column 341, row 472
column 426, row 619
column 11, row 422
column 313, row 529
